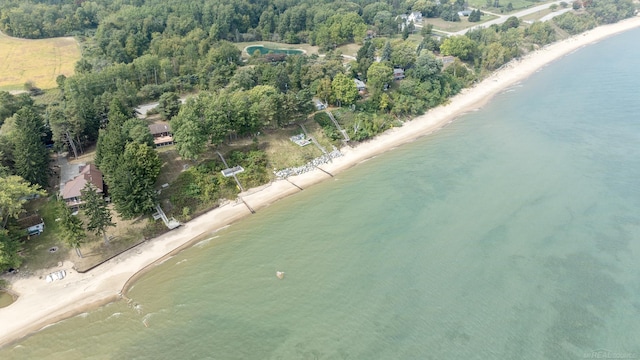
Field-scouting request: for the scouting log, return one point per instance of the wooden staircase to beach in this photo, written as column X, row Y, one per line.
column 342, row 131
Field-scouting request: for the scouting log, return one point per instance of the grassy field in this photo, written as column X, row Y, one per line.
column 517, row 4
column 283, row 153
column 39, row 61
column 537, row 15
column 451, row 26
column 36, row 249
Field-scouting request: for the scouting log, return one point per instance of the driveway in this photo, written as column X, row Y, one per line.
column 141, row 110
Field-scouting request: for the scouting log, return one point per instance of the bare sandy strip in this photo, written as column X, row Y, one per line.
column 41, row 303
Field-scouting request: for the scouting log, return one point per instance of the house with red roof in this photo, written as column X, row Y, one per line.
column 71, row 192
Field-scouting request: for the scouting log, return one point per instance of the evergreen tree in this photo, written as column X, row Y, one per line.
column 365, row 57
column 72, row 228
column 111, row 141
column 190, row 131
column 132, row 184
column 96, row 210
column 30, row 153
column 475, row 16
column 387, row 50
column 405, row 32
column 169, row 105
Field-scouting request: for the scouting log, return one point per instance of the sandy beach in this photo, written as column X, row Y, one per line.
column 40, row 303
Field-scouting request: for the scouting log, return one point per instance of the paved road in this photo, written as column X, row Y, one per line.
column 554, row 14
column 141, row 110
column 502, row 18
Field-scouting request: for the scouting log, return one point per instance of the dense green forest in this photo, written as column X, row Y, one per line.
column 136, row 50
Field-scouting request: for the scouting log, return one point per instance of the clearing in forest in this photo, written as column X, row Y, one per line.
column 39, row 61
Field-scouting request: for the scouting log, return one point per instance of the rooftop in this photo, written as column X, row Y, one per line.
column 159, row 128
column 88, row 174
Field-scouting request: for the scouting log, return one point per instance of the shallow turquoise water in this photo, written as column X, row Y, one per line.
column 513, row 233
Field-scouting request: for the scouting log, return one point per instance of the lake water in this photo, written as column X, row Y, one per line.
column 513, row 233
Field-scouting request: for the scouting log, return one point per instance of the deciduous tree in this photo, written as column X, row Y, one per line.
column 14, row 191
column 344, row 90
column 403, row 54
column 427, row 66
column 9, row 257
column 460, row 46
column 380, row 74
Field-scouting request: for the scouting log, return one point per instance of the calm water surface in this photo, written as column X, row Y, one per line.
column 513, row 233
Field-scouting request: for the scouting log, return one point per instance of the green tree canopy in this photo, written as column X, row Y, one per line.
column 427, row 66
column 344, row 90
column 132, row 184
column 14, row 192
column 459, row 46
column 380, row 74
column 9, row 257
column 169, row 105
column 403, row 54
column 71, row 227
column 97, row 212
column 30, row 155
column 191, row 128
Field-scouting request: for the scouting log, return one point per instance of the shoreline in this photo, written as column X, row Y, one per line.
column 41, row 304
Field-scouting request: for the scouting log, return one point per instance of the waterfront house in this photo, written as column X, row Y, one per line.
column 71, row 192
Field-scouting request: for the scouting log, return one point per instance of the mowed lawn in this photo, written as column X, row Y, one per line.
column 39, row 61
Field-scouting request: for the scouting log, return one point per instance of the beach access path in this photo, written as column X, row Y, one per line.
column 41, row 303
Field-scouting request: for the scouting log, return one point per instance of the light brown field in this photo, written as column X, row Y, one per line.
column 39, row 61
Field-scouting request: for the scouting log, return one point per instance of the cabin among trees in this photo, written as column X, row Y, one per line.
column 162, row 135
column 32, row 224
column 71, row 192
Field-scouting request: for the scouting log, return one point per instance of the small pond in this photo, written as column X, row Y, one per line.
column 6, row 299
column 265, row 50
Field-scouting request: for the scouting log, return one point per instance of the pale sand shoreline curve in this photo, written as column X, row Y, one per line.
column 41, row 303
